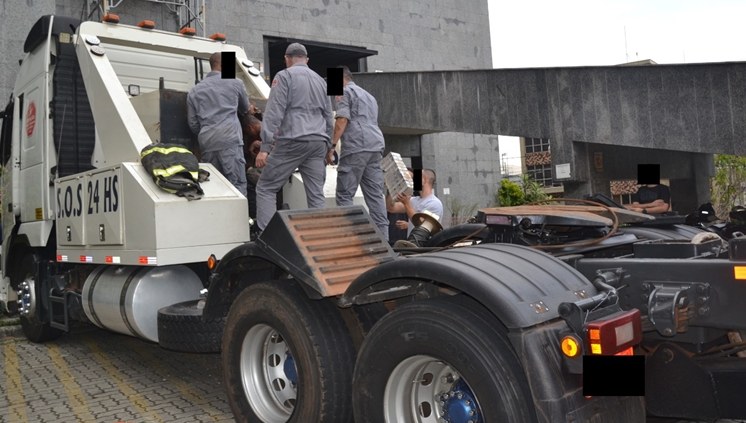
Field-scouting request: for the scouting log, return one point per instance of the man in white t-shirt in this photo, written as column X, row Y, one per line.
column 426, row 201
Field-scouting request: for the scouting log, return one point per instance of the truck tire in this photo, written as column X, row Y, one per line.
column 360, row 320
column 460, row 357
column 182, row 328
column 287, row 358
column 35, row 318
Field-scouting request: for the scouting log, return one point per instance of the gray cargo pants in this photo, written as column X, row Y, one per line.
column 363, row 169
column 308, row 157
column 231, row 163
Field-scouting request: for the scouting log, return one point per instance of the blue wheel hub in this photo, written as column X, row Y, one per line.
column 290, row 371
column 459, row 405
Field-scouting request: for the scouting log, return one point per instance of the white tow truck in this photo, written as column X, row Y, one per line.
column 88, row 97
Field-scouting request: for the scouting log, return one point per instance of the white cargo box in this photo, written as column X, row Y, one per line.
column 109, row 216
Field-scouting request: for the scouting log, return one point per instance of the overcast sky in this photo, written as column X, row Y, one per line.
column 547, row 33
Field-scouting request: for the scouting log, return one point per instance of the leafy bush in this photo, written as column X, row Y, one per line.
column 513, row 194
column 510, row 194
column 728, row 185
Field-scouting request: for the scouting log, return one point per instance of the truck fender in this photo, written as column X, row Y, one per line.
column 37, row 232
column 522, row 286
column 238, row 269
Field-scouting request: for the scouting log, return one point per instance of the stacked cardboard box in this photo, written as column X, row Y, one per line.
column 396, row 177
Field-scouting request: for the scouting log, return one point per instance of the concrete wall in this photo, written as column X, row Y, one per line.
column 16, row 19
column 698, row 108
column 467, row 168
column 411, row 35
column 405, row 145
column 695, row 108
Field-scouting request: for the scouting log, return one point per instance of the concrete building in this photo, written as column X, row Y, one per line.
column 369, row 36
column 386, row 35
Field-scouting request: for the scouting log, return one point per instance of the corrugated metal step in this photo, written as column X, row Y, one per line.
column 329, row 248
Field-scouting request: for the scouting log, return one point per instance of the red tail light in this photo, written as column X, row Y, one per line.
column 614, row 334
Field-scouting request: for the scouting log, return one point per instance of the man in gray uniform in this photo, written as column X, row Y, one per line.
column 362, row 150
column 211, row 111
column 296, row 129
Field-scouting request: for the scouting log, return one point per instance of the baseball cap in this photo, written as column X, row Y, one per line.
column 296, row 49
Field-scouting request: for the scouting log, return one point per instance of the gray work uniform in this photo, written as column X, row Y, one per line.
column 360, row 158
column 211, row 111
column 296, row 130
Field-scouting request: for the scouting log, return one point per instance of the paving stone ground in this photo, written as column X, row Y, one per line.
column 92, row 375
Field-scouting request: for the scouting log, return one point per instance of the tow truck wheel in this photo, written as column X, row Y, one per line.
column 31, row 305
column 360, row 319
column 286, row 358
column 440, row 361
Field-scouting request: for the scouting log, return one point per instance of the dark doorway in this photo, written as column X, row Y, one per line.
column 321, row 55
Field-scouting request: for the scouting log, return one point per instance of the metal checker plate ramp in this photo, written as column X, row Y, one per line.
column 331, row 247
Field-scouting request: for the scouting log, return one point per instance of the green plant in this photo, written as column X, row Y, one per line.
column 533, row 191
column 728, row 185
column 513, row 194
column 461, row 212
column 510, row 194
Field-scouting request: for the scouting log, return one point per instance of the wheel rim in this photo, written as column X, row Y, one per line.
column 423, row 389
column 27, row 297
column 268, row 374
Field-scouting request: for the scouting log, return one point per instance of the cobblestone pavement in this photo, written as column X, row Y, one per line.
column 91, row 375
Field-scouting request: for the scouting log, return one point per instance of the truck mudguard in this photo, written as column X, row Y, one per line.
column 520, row 285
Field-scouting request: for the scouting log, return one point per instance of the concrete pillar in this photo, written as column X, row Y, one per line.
column 704, row 169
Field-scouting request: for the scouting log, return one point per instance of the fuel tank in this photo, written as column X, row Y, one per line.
column 126, row 299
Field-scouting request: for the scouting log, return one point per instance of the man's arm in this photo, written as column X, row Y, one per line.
column 660, row 205
column 404, row 205
column 243, row 99
column 340, row 124
column 657, row 206
column 343, row 116
column 192, row 117
column 395, row 206
column 329, row 118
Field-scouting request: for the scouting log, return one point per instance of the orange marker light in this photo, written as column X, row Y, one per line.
column 570, row 346
column 218, row 36
column 594, row 334
column 188, row 31
column 146, row 24
column 110, row 18
column 739, row 272
column 212, row 262
column 596, row 349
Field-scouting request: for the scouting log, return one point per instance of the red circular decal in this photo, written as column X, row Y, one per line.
column 30, row 119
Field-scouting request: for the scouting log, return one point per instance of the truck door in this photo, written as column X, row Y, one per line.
column 34, row 181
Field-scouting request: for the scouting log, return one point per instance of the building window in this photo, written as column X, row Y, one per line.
column 537, row 145
column 542, row 174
